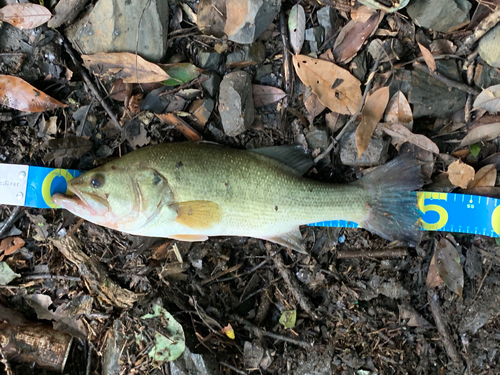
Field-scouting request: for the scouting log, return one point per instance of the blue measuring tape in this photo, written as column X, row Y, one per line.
column 445, row 212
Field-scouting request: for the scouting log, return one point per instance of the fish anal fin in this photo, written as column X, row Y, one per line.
column 292, row 240
column 198, row 214
column 189, row 237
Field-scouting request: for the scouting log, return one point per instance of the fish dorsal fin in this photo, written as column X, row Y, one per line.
column 189, row 237
column 197, row 214
column 292, row 156
column 292, row 239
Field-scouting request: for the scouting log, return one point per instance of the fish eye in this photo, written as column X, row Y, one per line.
column 97, row 181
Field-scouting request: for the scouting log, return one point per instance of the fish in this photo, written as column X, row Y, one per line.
column 190, row 191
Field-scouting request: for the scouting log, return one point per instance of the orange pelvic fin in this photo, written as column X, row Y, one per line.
column 198, row 214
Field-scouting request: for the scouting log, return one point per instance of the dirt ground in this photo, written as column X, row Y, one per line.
column 363, row 305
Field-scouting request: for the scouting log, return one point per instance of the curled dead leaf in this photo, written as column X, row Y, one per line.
column 335, row 87
column 481, row 133
column 489, row 99
column 297, row 27
column 485, row 177
column 264, row 95
column 400, row 134
column 130, row 67
column 18, row 94
column 460, row 174
column 25, row 15
column 370, row 117
column 399, row 111
column 449, row 267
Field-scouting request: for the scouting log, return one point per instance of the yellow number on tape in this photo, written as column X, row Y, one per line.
column 47, row 183
column 443, row 214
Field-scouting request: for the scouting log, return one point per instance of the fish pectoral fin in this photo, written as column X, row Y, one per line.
column 189, row 237
column 292, row 239
column 198, row 214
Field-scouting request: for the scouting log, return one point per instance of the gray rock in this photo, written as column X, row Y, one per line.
column 262, row 71
column 209, row 59
column 261, row 13
column 317, row 139
column 431, row 97
column 194, row 364
column 236, row 103
column 254, row 53
column 375, row 154
column 439, row 15
column 211, row 85
column 124, row 26
column 327, row 18
column 315, row 37
column 489, row 47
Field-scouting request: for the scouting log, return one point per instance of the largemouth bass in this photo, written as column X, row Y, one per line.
column 191, row 191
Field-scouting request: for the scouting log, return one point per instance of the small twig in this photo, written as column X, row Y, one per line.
column 11, row 220
column 259, row 333
column 91, row 86
column 368, row 87
column 443, row 332
column 397, row 252
column 288, row 76
column 53, row 277
column 89, row 361
column 449, row 82
column 222, row 273
column 293, row 287
column 236, row 370
column 481, row 29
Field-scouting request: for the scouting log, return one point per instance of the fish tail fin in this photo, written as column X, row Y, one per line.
column 394, row 214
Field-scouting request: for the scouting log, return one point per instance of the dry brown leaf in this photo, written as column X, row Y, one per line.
column 460, row 174
column 25, row 16
column 180, row 125
column 429, row 59
column 485, row 177
column 264, row 95
column 335, row 87
column 10, row 245
column 400, row 134
column 19, row 94
column 130, row 67
column 313, row 106
column 433, row 278
column 370, row 117
column 352, row 37
column 399, row 111
column 362, row 13
column 481, row 133
column 449, row 267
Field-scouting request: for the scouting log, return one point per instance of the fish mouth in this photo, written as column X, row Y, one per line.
column 80, row 202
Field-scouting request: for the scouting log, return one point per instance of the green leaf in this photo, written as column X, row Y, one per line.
column 169, row 341
column 475, row 149
column 180, row 73
column 497, row 240
column 6, row 274
column 288, row 318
